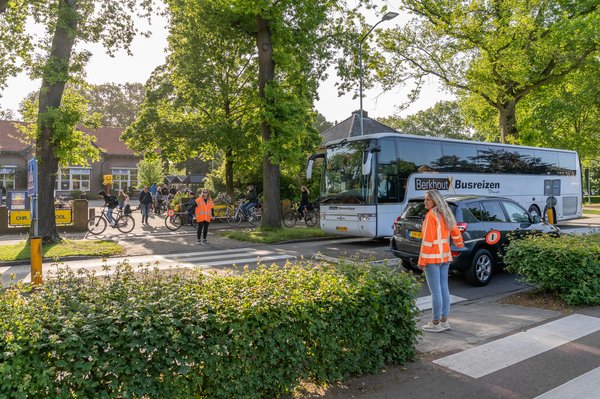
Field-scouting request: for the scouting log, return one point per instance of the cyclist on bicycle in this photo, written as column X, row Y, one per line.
column 303, row 202
column 252, row 199
column 111, row 202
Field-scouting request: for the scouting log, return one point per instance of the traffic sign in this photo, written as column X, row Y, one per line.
column 492, row 237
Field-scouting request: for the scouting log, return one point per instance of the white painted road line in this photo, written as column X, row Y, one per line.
column 426, row 302
column 586, row 386
column 493, row 356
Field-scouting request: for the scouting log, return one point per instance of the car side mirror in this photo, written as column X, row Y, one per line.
column 536, row 218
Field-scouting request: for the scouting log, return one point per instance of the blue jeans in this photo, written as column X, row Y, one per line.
column 145, row 208
column 109, row 216
column 247, row 207
column 437, row 281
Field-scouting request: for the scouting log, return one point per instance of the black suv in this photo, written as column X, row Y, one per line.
column 484, row 223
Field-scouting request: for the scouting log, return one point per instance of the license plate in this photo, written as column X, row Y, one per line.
column 341, row 228
column 416, row 234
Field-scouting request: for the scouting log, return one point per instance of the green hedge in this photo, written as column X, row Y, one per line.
column 149, row 334
column 568, row 266
column 595, row 199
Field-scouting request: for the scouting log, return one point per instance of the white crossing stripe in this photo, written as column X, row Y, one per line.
column 3, row 269
column 493, row 356
column 426, row 302
column 237, row 256
column 586, row 386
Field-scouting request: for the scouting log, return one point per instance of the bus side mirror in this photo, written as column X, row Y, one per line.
column 366, row 166
column 309, row 168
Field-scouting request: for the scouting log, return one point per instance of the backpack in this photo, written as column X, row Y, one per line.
column 112, row 202
column 127, row 210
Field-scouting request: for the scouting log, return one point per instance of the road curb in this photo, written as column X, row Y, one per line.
column 331, row 259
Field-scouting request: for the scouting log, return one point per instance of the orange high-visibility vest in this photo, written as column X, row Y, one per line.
column 435, row 247
column 203, row 210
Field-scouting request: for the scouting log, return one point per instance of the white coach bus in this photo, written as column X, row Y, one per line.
column 368, row 180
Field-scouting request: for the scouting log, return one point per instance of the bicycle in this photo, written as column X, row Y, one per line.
column 310, row 217
column 174, row 220
column 255, row 217
column 124, row 223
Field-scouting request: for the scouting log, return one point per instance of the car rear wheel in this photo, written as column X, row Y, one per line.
column 406, row 264
column 480, row 272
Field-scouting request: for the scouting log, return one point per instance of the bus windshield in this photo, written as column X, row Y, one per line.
column 343, row 181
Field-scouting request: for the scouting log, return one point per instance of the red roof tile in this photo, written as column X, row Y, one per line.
column 10, row 137
column 108, row 139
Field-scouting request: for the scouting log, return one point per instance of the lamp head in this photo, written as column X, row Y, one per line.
column 389, row 15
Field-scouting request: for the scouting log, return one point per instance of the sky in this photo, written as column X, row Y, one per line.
column 148, row 53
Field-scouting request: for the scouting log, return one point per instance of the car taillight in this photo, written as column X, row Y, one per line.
column 462, row 227
column 455, row 253
column 397, row 219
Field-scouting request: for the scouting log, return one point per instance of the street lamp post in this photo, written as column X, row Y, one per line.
column 386, row 17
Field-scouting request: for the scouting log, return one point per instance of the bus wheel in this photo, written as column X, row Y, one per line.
column 480, row 272
column 535, row 211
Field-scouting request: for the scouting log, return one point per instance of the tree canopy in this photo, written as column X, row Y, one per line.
column 54, row 58
column 497, row 50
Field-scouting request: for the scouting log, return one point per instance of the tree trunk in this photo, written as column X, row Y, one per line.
column 54, row 79
column 229, row 172
column 508, row 121
column 266, row 74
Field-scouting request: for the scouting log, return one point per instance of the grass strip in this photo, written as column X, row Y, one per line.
column 271, row 236
column 21, row 251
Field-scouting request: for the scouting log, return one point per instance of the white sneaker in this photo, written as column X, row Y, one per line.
column 445, row 325
column 431, row 327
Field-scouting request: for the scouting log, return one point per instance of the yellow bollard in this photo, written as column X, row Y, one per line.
column 35, row 245
column 550, row 216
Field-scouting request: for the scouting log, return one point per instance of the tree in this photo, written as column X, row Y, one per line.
column 444, row 119
column 67, row 22
column 295, row 42
column 117, row 103
column 322, row 123
column 208, row 100
column 497, row 50
column 150, row 171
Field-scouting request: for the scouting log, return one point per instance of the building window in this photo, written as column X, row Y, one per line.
column 124, row 178
column 7, row 177
column 73, row 179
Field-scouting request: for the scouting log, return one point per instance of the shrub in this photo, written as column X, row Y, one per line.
column 568, row 266
column 174, row 335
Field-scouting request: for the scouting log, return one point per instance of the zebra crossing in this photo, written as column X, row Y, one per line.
column 218, row 258
column 548, row 348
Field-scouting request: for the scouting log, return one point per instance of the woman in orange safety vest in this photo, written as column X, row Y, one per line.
column 435, row 257
column 204, row 213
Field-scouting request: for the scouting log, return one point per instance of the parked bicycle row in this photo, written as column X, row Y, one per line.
column 196, row 212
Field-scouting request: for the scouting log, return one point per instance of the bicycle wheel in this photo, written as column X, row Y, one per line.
column 255, row 217
column 235, row 218
column 194, row 223
column 125, row 223
column 290, row 219
column 312, row 218
column 173, row 222
column 221, row 214
column 97, row 225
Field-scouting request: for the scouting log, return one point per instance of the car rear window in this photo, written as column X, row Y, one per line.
column 416, row 210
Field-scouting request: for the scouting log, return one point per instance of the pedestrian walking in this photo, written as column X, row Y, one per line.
column 121, row 199
column 204, row 213
column 435, row 256
column 145, row 202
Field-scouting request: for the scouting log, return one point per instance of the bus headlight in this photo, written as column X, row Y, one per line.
column 364, row 217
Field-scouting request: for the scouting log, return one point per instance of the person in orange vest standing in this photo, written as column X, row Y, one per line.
column 435, row 256
column 204, row 213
